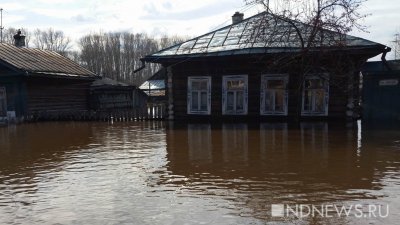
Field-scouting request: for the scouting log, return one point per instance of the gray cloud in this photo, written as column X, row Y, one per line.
column 151, row 9
column 205, row 11
column 83, row 19
column 167, row 5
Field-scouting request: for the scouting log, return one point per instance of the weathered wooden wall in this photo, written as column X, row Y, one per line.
column 109, row 98
column 338, row 96
column 49, row 94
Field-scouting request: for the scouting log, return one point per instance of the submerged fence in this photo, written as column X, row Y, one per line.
column 150, row 112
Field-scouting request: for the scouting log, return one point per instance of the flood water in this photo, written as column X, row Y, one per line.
column 164, row 173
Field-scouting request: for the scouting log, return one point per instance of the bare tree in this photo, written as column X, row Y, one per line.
column 311, row 27
column 168, row 41
column 51, row 39
column 117, row 55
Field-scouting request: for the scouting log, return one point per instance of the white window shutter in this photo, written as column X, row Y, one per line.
column 209, row 97
column 189, row 96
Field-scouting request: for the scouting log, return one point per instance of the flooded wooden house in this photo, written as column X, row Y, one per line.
column 258, row 68
column 37, row 82
column 381, row 82
column 111, row 95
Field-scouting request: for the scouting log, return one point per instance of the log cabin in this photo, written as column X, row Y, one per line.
column 34, row 81
column 260, row 68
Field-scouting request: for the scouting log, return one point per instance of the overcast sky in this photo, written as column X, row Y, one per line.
column 182, row 17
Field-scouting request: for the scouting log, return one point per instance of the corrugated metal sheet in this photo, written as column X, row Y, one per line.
column 42, row 62
column 262, row 33
column 379, row 66
column 108, row 82
column 153, row 85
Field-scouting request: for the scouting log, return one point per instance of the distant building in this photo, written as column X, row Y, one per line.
column 381, row 89
column 36, row 82
column 110, row 95
column 249, row 69
column 154, row 87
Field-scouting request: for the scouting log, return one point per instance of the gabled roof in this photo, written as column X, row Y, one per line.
column 259, row 34
column 41, row 62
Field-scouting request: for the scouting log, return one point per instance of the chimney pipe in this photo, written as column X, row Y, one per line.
column 19, row 39
column 237, row 17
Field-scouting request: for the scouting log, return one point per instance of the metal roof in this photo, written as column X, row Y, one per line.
column 41, row 62
column 379, row 66
column 153, row 85
column 262, row 33
column 105, row 81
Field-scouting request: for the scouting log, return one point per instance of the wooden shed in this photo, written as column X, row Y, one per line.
column 154, row 87
column 111, row 95
column 40, row 82
column 250, row 69
column 380, row 88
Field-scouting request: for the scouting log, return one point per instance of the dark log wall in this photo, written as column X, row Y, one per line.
column 45, row 94
column 15, row 90
column 338, row 95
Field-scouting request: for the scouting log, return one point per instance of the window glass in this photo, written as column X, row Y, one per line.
column 276, row 84
column 279, row 101
column 314, row 83
column 230, row 100
column 195, row 101
column 274, row 88
column 315, row 96
column 199, row 95
column 203, row 101
column 269, row 101
column 203, row 85
column 195, row 85
column 235, row 94
column 235, row 84
column 307, row 100
column 319, row 100
column 239, row 101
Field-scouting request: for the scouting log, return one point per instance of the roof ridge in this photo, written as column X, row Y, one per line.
column 211, row 32
column 245, row 36
column 35, row 60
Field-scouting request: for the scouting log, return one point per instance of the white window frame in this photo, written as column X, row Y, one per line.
column 264, row 79
column 189, row 95
column 225, row 80
column 325, row 78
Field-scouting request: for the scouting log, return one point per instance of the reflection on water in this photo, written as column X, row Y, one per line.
column 157, row 173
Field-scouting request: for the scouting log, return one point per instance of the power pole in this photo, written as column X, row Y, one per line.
column 1, row 25
column 396, row 45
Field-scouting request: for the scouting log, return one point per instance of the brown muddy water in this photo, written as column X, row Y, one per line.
column 161, row 173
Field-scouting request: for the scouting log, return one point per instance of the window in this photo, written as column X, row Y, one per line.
column 274, row 95
column 234, row 95
column 315, row 96
column 199, row 95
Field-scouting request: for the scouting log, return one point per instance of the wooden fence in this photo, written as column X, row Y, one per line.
column 151, row 112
